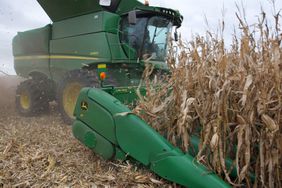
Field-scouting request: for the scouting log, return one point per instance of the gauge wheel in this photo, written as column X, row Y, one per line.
column 68, row 91
column 29, row 99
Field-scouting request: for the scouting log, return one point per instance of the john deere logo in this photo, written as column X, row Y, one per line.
column 84, row 106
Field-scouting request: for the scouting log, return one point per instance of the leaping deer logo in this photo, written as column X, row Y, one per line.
column 84, row 106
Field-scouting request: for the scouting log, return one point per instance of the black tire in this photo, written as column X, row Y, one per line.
column 30, row 100
column 47, row 89
column 69, row 88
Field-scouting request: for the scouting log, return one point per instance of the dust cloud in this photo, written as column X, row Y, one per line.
column 8, row 85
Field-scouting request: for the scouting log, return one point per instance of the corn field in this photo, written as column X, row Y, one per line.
column 231, row 98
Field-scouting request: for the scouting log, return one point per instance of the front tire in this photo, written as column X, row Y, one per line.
column 68, row 91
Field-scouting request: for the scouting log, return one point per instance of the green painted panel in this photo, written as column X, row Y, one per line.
column 24, row 65
column 115, row 46
column 61, row 9
column 92, row 45
column 90, row 23
column 111, row 22
column 93, row 140
column 129, row 51
column 112, row 104
column 85, row 24
column 97, row 117
column 34, row 41
column 59, row 67
column 100, row 120
column 140, row 140
column 186, row 171
column 127, row 95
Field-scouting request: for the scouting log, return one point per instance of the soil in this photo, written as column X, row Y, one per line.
column 41, row 152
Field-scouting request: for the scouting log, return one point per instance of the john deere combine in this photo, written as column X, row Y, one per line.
column 61, row 58
column 104, row 44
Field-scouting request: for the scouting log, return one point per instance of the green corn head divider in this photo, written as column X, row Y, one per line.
column 110, row 129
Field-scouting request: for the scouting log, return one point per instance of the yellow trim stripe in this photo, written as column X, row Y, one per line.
column 102, row 66
column 54, row 57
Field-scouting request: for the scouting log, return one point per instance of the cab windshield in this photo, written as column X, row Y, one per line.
column 148, row 36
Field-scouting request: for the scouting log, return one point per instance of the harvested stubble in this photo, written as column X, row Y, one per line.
column 41, row 152
column 231, row 99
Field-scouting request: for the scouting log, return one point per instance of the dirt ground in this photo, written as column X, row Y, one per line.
column 41, row 152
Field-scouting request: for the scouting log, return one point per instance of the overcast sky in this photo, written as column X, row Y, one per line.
column 21, row 15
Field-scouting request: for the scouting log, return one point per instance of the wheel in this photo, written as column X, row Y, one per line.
column 30, row 99
column 47, row 88
column 69, row 88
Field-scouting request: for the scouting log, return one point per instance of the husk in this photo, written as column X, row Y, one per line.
column 234, row 96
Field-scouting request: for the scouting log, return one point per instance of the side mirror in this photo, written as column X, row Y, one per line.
column 132, row 18
column 105, row 3
column 175, row 35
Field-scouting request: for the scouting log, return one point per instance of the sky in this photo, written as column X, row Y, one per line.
column 22, row 15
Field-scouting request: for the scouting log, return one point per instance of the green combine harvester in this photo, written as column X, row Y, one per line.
column 63, row 57
column 90, row 60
